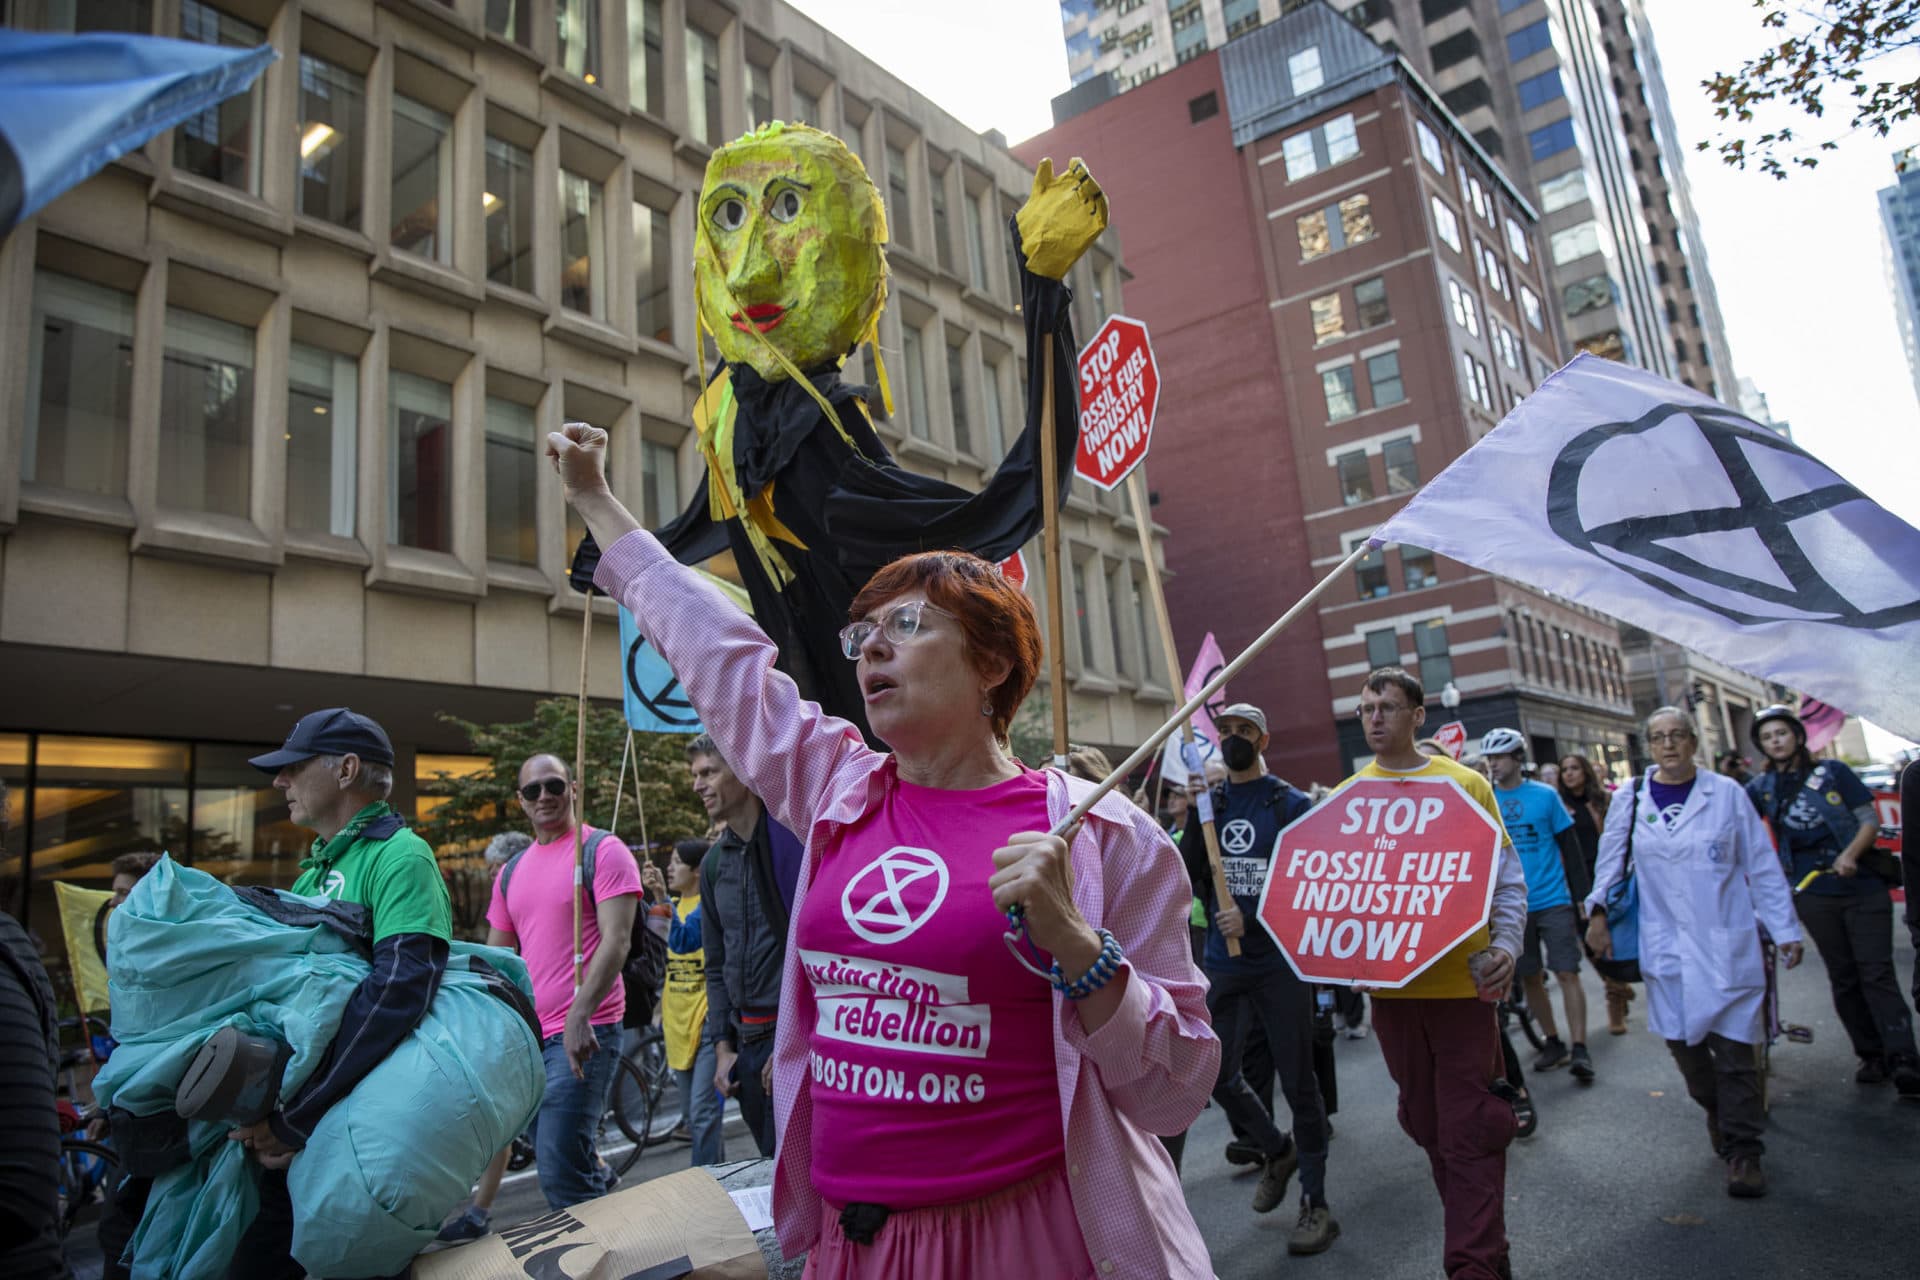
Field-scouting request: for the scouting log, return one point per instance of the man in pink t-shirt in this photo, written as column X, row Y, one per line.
column 532, row 911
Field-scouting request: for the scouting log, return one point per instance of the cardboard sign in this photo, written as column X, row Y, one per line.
column 1379, row 880
column 1886, row 812
column 1119, row 391
column 1453, row 736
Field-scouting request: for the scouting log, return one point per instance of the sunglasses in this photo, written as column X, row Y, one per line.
column 898, row 624
column 552, row 786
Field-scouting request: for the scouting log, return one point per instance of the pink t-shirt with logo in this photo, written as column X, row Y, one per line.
column 932, row 1048
column 538, row 909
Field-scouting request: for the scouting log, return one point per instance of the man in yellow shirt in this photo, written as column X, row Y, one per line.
column 1439, row 1034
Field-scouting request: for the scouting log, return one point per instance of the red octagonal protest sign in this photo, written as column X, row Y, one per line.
column 1014, row 569
column 1381, row 879
column 1119, row 390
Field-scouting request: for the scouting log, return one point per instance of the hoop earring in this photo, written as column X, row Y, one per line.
column 986, row 708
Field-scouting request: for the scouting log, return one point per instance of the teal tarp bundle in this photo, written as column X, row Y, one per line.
column 187, row 956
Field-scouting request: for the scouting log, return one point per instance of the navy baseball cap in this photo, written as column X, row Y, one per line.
column 333, row 732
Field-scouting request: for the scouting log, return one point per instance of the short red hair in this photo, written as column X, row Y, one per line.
column 996, row 618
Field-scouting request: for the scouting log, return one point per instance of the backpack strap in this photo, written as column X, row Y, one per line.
column 1633, row 820
column 588, row 862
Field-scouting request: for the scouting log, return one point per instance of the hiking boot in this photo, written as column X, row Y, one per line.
column 1906, row 1077
column 1552, row 1054
column 1745, row 1181
column 1582, row 1065
column 1274, row 1178
column 1872, row 1071
column 1240, row 1151
column 472, row 1223
column 1617, row 997
column 1315, row 1232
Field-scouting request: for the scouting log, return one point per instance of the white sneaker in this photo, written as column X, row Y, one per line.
column 1358, row 1031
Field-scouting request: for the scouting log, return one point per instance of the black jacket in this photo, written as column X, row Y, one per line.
column 744, row 931
column 29, row 1131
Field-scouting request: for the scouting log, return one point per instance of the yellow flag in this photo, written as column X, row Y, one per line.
column 83, row 918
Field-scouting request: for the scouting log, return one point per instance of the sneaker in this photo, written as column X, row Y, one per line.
column 1358, row 1031
column 1582, row 1068
column 1526, row 1114
column 1906, row 1077
column 1315, row 1232
column 1552, row 1054
column 681, row 1134
column 1745, row 1180
column 1273, row 1180
column 472, row 1223
column 1872, row 1071
column 1240, row 1151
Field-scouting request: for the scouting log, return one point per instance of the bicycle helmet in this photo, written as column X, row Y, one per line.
column 1502, row 742
column 1776, row 712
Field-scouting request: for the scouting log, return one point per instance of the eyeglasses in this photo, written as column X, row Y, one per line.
column 898, row 624
column 1380, row 711
column 1673, row 736
column 552, row 786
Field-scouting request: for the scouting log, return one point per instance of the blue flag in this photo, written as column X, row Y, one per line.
column 71, row 105
column 655, row 701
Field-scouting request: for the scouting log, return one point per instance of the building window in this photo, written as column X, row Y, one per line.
column 1517, row 241
column 1589, row 294
column 1335, row 227
column 510, row 482
column 1476, row 195
column 221, row 141
column 703, row 86
column 1320, row 148
column 422, row 180
column 899, row 199
column 759, row 95
column 1204, row 107
column 646, row 73
column 1509, row 347
column 1303, row 71
column 1356, row 478
column 1529, row 40
column 322, row 439
column 942, row 227
column 1082, row 614
column 1119, row 606
column 1370, row 573
column 80, row 393
column 583, row 246
column 511, row 20
column 420, row 461
column 206, row 415
column 1430, row 148
column 652, row 272
column 1446, row 224
column 913, row 355
column 1370, row 304
column 659, row 481
column 1575, row 242
column 1383, row 377
column 1403, row 469
column 333, row 119
column 1383, row 649
column 1337, row 385
column 1562, row 190
column 1465, row 313
column 976, row 242
column 1530, row 303
column 1538, row 91
column 132, row 16
column 577, row 27
column 1430, row 644
column 806, row 107
column 957, row 394
column 1551, row 140
column 1327, row 323
column 1473, row 375
column 508, row 205
column 992, row 425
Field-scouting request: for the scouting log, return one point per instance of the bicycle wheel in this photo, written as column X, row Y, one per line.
column 86, row 1170
column 631, row 1107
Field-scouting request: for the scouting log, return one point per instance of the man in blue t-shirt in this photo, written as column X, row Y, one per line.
column 1542, row 834
column 1249, row 811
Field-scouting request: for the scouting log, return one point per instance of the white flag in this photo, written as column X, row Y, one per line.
column 1661, row 507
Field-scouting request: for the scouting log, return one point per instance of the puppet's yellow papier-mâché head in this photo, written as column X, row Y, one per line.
column 790, row 242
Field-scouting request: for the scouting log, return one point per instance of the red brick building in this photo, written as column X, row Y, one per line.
column 1344, row 293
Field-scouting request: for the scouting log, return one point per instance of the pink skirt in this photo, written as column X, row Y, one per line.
column 1028, row 1230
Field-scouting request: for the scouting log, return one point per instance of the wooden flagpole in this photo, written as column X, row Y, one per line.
column 1137, row 491
column 579, row 788
column 1050, row 547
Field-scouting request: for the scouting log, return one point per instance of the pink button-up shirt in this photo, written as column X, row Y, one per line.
column 1148, row 1070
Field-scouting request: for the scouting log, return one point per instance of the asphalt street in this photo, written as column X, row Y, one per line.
column 1618, row 1181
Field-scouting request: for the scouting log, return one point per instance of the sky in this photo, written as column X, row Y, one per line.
column 1796, row 263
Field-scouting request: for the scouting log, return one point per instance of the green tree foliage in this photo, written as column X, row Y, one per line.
column 461, row 813
column 1826, row 49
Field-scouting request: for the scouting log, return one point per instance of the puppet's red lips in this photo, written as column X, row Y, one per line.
column 762, row 315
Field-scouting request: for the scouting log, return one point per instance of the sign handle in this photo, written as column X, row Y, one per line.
column 639, row 801
column 579, row 805
column 1213, row 686
column 1050, row 546
column 1137, row 491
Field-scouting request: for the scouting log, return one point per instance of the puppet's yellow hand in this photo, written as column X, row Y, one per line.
column 1061, row 218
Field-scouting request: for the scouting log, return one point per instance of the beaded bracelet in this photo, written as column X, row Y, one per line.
column 1102, row 972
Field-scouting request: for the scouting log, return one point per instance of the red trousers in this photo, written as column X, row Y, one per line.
column 1443, row 1054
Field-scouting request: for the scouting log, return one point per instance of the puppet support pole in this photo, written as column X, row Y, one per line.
column 1050, row 548
column 639, row 799
column 1213, row 686
column 579, row 803
column 620, row 787
column 1137, row 491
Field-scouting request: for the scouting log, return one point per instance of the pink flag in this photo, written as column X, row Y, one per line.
column 1822, row 722
column 1207, row 738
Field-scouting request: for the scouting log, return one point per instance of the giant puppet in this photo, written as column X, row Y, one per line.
column 790, row 270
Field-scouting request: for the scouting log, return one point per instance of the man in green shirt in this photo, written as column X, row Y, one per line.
column 336, row 769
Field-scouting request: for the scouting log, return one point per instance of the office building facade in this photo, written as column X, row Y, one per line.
column 1900, row 250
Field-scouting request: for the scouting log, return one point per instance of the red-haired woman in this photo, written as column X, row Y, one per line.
column 950, row 1101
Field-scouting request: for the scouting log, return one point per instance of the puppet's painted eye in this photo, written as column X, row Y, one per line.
column 785, row 206
column 730, row 215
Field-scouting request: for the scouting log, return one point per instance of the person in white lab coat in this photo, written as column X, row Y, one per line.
column 1708, row 879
